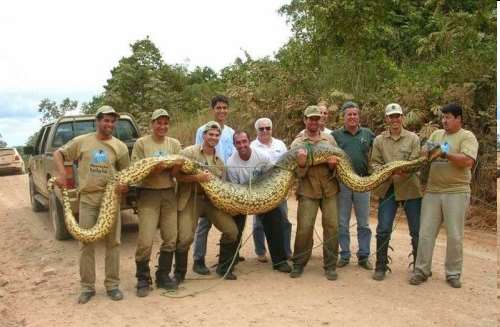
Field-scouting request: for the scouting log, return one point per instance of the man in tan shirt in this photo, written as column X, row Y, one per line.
column 396, row 143
column 156, row 206
column 193, row 203
column 317, row 189
column 447, row 197
column 99, row 156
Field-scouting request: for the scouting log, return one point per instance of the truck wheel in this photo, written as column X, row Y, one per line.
column 56, row 214
column 35, row 205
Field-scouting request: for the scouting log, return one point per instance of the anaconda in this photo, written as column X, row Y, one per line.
column 264, row 194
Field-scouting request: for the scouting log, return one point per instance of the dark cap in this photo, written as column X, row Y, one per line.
column 349, row 104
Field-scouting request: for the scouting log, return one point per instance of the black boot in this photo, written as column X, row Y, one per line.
column 225, row 265
column 199, row 267
column 382, row 258
column 181, row 259
column 414, row 247
column 143, row 278
column 163, row 279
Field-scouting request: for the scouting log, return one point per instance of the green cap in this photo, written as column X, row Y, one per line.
column 210, row 125
column 312, row 111
column 349, row 104
column 159, row 113
column 106, row 110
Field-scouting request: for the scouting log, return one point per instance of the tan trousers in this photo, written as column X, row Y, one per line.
column 156, row 207
column 187, row 221
column 88, row 216
column 306, row 216
column 438, row 208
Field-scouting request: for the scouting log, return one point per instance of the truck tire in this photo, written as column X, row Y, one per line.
column 35, row 205
column 56, row 214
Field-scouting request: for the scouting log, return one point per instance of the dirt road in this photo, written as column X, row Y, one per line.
column 39, row 284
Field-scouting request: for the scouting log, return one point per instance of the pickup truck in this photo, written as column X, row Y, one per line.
column 41, row 165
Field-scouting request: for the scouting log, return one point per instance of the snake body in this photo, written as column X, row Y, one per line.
column 264, row 194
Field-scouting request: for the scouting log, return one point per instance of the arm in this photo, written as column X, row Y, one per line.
column 61, row 180
column 460, row 160
column 376, row 159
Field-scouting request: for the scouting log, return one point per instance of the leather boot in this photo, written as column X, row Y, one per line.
column 199, row 267
column 414, row 247
column 382, row 259
column 163, row 279
column 181, row 259
column 143, row 278
column 225, row 265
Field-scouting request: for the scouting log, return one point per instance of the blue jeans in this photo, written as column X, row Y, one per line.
column 200, row 238
column 387, row 209
column 361, row 203
column 258, row 231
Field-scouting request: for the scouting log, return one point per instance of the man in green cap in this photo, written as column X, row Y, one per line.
column 193, row 203
column 157, row 205
column 317, row 189
column 356, row 141
column 99, row 156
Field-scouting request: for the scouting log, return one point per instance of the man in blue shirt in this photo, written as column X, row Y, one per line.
column 224, row 149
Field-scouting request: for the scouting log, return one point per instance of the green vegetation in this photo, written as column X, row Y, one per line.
column 421, row 54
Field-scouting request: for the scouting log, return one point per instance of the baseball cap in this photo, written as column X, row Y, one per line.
column 106, row 110
column 159, row 113
column 393, row 108
column 210, row 125
column 349, row 104
column 312, row 111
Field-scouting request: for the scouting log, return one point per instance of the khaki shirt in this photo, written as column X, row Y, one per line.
column 445, row 177
column 98, row 160
column 387, row 148
column 146, row 147
column 316, row 182
column 215, row 166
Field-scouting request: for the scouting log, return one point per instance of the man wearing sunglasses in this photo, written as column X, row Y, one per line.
column 274, row 148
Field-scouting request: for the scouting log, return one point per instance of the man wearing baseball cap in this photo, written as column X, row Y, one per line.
column 156, row 206
column 396, row 143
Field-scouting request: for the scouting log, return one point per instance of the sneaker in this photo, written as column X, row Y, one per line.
column 85, row 296
column 297, row 271
column 115, row 294
column 262, row 258
column 417, row 279
column 331, row 274
column 365, row 263
column 200, row 268
column 342, row 262
column 454, row 282
column 283, row 267
column 379, row 275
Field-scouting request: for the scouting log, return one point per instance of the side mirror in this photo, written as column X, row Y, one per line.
column 29, row 150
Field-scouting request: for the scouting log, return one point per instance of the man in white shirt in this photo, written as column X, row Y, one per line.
column 274, row 148
column 242, row 167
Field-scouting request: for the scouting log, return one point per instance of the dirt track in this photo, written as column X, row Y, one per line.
column 39, row 284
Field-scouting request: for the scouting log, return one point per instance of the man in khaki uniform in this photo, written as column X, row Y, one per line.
column 396, row 143
column 157, row 206
column 99, row 156
column 193, row 203
column 317, row 189
column 447, row 197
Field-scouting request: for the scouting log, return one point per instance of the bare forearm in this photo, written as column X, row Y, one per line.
column 59, row 162
column 460, row 160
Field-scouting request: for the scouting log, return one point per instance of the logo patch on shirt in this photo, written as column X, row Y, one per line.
column 99, row 156
column 160, row 153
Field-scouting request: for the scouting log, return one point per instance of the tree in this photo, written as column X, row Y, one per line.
column 3, row 144
column 51, row 110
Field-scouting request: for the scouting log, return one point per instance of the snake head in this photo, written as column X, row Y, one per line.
column 433, row 150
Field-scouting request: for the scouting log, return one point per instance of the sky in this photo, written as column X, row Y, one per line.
column 57, row 49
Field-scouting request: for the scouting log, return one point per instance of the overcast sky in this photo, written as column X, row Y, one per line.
column 59, row 49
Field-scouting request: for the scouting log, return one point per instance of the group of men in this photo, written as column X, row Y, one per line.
column 175, row 202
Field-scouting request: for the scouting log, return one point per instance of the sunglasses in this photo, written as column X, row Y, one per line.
column 267, row 128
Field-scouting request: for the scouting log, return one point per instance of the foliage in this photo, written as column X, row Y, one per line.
column 3, row 144
column 50, row 110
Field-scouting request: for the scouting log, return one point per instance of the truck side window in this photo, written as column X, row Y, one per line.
column 64, row 133
column 125, row 131
column 45, row 136
column 83, row 127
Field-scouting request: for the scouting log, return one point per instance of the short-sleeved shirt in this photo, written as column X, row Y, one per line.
column 225, row 147
column 98, row 160
column 274, row 150
column 241, row 171
column 214, row 164
column 356, row 146
column 445, row 177
column 387, row 148
column 316, row 182
column 146, row 147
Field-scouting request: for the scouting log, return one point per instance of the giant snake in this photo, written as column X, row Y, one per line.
column 262, row 195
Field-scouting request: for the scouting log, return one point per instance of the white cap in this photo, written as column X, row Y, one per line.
column 393, row 108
